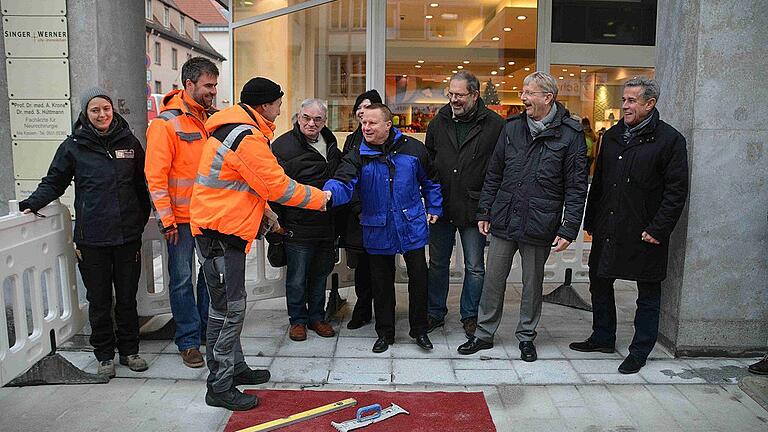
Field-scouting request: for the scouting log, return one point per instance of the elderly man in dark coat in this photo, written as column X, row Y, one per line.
column 638, row 193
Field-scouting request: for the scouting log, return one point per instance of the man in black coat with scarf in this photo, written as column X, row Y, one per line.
column 637, row 195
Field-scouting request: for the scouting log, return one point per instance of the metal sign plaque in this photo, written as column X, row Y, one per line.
column 31, row 159
column 38, row 78
column 27, row 36
column 24, row 189
column 34, row 7
column 40, row 119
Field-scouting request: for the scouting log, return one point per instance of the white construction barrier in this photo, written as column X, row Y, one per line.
column 39, row 295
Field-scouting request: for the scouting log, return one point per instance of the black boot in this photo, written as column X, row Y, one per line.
column 252, row 377
column 232, row 399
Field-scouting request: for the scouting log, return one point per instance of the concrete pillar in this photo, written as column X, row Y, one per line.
column 711, row 68
column 7, row 187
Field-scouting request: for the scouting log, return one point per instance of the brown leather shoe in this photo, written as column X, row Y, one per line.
column 322, row 328
column 192, row 358
column 298, row 332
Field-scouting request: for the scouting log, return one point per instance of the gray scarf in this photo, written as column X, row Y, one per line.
column 630, row 131
column 537, row 126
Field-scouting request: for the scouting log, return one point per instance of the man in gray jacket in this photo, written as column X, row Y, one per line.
column 539, row 165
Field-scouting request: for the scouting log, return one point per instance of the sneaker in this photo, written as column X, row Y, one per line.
column 192, row 358
column 252, row 377
column 232, row 399
column 298, row 332
column 470, row 325
column 322, row 328
column 134, row 362
column 433, row 323
column 759, row 368
column 106, row 368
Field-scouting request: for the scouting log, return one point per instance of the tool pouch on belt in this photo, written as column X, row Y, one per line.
column 211, row 253
column 276, row 249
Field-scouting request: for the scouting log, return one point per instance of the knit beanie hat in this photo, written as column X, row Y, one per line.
column 259, row 91
column 91, row 93
column 371, row 95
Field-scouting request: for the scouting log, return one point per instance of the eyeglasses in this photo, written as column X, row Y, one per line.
column 306, row 119
column 528, row 93
column 451, row 95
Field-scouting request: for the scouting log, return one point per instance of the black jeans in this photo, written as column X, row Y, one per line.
column 383, row 283
column 604, row 310
column 101, row 268
column 363, row 309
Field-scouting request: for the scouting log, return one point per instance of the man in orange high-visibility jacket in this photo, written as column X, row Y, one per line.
column 237, row 175
column 175, row 141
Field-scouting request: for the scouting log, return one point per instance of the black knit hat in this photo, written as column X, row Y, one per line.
column 371, row 95
column 259, row 91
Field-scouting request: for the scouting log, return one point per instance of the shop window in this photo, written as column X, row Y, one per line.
column 604, row 22
column 319, row 55
column 242, row 9
column 428, row 42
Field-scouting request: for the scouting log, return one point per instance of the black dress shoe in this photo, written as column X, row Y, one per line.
column 355, row 323
column 474, row 345
column 433, row 323
column 528, row 351
column 252, row 377
column 424, row 342
column 631, row 365
column 381, row 345
column 589, row 346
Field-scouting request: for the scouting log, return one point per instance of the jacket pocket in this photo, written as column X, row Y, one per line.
column 544, row 218
column 551, row 162
column 375, row 232
column 416, row 221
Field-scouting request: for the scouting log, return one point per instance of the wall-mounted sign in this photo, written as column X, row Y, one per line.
column 40, row 119
column 34, row 7
column 38, row 78
column 24, row 189
column 31, row 159
column 27, row 36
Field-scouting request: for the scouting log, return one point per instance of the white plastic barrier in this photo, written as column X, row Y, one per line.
column 39, row 298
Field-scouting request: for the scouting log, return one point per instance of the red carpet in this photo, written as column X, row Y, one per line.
column 429, row 411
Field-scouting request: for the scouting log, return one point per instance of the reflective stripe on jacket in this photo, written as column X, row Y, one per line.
column 175, row 141
column 238, row 174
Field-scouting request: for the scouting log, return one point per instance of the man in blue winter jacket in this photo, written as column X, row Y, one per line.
column 392, row 172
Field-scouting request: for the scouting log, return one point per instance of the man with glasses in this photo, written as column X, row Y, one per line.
column 460, row 140
column 309, row 155
column 538, row 166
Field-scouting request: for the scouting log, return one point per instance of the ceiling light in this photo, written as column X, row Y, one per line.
column 454, row 71
column 510, row 76
column 445, row 80
column 418, row 66
column 459, row 67
column 502, row 67
column 526, row 69
column 497, row 85
column 570, row 74
column 466, row 62
column 521, row 17
column 507, row 29
column 433, row 5
column 583, row 71
column 514, row 87
column 510, row 63
column 439, row 35
column 493, row 72
column 503, row 82
column 560, row 78
column 428, row 17
column 449, row 16
column 419, row 61
column 565, row 70
column 406, row 76
column 495, row 38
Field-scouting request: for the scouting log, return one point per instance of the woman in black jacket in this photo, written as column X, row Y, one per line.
column 111, row 207
column 348, row 223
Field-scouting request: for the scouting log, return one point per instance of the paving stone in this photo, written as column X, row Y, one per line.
column 340, row 377
column 724, row 412
column 616, row 378
column 487, row 376
column 546, row 372
column 411, row 371
column 79, row 359
column 357, row 347
column 314, row 346
column 362, row 365
column 680, row 408
column 527, row 402
column 260, row 362
column 169, row 366
column 719, row 371
column 300, row 369
column 644, row 409
column 477, row 364
column 264, row 346
column 670, row 372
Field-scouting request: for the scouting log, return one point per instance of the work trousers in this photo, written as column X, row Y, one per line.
column 103, row 268
column 383, row 283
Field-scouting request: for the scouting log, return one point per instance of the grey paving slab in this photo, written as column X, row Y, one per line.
column 300, row 369
column 615, row 378
column 169, row 366
column 314, row 346
column 357, row 347
column 497, row 352
column 477, row 364
column 722, row 411
column 644, row 409
column 258, row 361
column 264, row 346
column 680, row 408
column 362, row 365
column 606, row 410
column 342, row 377
column 546, row 372
column 719, row 371
column 266, row 323
column 411, row 371
column 79, row 359
column 409, row 349
column 527, row 403
column 670, row 372
column 487, row 376
column 155, row 346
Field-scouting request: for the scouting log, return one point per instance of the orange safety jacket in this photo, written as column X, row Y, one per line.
column 238, row 174
column 175, row 141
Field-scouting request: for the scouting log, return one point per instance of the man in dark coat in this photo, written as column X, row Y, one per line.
column 637, row 195
column 539, row 165
column 309, row 155
column 460, row 140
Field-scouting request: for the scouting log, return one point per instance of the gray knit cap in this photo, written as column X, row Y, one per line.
column 91, row 93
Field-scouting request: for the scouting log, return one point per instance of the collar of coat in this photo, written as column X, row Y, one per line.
column 328, row 136
column 376, row 150
column 616, row 131
column 562, row 118
column 85, row 134
column 482, row 111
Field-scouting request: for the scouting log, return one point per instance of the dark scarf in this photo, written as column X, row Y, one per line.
column 632, row 131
